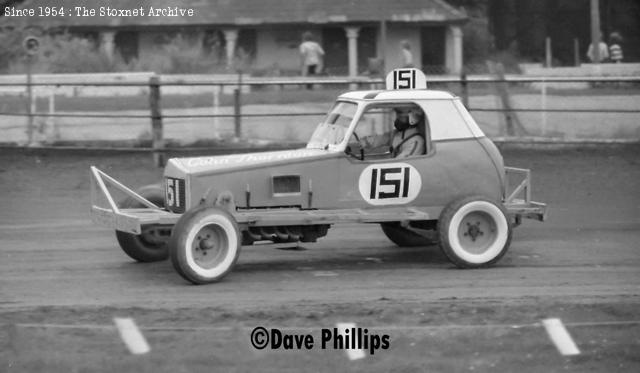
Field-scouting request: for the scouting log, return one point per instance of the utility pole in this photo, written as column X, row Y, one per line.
column 595, row 30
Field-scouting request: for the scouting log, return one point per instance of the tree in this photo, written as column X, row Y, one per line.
column 8, row 3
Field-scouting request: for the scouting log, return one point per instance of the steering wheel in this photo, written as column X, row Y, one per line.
column 361, row 155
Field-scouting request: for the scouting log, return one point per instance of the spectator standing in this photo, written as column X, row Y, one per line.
column 311, row 55
column 602, row 48
column 615, row 49
column 407, row 56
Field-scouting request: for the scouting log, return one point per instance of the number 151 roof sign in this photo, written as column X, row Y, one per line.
column 406, row 79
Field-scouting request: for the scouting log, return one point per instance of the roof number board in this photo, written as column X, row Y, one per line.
column 406, row 79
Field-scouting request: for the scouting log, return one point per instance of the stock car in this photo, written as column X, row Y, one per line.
column 458, row 194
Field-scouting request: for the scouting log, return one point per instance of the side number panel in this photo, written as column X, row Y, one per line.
column 175, row 194
column 390, row 184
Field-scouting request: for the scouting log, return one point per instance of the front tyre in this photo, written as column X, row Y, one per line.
column 474, row 232
column 151, row 245
column 205, row 244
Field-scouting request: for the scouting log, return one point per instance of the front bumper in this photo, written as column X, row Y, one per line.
column 105, row 212
column 518, row 198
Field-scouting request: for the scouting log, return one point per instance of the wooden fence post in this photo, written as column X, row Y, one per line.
column 465, row 88
column 512, row 123
column 548, row 52
column 30, row 99
column 157, row 141
column 237, row 113
column 237, row 107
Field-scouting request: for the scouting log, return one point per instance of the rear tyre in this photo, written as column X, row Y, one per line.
column 404, row 237
column 150, row 246
column 474, row 232
column 205, row 245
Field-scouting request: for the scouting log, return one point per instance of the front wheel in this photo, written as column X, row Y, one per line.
column 151, row 244
column 205, row 245
column 474, row 232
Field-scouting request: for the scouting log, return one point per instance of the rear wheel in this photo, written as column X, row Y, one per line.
column 404, row 237
column 151, row 244
column 205, row 245
column 474, row 232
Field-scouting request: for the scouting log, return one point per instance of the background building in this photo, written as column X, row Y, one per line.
column 265, row 34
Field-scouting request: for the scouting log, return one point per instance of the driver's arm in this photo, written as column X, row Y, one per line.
column 376, row 140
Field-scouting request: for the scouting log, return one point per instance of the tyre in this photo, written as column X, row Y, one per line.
column 205, row 245
column 151, row 244
column 404, row 237
column 474, row 232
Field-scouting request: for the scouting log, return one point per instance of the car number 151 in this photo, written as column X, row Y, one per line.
column 175, row 194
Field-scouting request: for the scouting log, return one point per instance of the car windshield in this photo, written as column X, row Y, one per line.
column 334, row 127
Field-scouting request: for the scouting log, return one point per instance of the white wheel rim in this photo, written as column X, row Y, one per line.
column 222, row 252
column 478, row 232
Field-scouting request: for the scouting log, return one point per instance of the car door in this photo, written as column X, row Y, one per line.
column 369, row 175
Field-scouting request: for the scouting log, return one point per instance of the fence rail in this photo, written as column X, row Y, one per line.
column 344, row 81
column 154, row 83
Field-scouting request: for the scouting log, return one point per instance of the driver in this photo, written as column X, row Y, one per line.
column 407, row 140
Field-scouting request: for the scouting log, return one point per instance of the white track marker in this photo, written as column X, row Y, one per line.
column 352, row 353
column 324, row 274
column 560, row 337
column 132, row 336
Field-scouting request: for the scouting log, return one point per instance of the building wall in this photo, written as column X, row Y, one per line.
column 277, row 47
column 393, row 50
column 148, row 45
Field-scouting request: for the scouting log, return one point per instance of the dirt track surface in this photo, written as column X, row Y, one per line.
column 63, row 280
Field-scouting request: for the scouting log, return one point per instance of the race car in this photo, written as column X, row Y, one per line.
column 456, row 192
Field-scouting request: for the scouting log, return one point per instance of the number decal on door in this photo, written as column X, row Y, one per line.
column 395, row 183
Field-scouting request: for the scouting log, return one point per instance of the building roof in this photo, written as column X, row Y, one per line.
column 253, row 12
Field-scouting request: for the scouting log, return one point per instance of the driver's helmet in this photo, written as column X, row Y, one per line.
column 407, row 116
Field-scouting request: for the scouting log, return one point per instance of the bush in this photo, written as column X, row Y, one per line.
column 179, row 56
column 478, row 41
column 11, row 46
column 66, row 54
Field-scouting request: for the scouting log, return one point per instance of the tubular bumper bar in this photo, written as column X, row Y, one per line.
column 105, row 212
column 518, row 199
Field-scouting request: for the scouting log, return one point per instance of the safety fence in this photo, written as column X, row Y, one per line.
column 499, row 98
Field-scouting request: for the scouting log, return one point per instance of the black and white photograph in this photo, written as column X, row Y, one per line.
column 319, row 186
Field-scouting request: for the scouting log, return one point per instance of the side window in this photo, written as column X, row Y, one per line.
column 397, row 130
column 373, row 132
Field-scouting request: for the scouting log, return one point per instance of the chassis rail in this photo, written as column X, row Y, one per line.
column 105, row 211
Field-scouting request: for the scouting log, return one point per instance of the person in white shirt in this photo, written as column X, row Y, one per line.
column 311, row 55
column 602, row 48
column 407, row 56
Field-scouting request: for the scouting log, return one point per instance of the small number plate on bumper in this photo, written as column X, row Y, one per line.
column 175, row 193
